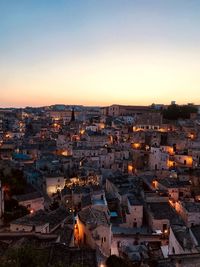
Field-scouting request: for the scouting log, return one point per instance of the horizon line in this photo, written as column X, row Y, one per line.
column 101, row 106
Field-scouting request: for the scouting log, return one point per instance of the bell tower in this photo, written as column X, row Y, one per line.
column 72, row 116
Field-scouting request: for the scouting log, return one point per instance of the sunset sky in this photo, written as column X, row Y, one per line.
column 99, row 52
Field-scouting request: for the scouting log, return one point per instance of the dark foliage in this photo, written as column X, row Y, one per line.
column 13, row 180
column 13, row 210
column 174, row 112
column 114, row 261
column 30, row 256
column 54, row 205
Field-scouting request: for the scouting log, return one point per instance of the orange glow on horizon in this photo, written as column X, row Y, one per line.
column 103, row 78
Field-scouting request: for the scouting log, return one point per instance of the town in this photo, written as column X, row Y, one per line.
column 100, row 186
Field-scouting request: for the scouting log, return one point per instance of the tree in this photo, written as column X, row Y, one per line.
column 13, row 210
column 24, row 256
column 175, row 112
column 54, row 205
column 115, row 261
column 30, row 256
column 13, row 179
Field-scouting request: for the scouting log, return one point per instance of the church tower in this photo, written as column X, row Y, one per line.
column 73, row 116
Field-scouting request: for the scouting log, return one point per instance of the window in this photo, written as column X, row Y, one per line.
column 164, row 227
column 118, row 244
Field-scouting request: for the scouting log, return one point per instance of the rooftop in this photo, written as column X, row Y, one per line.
column 42, row 217
column 174, row 183
column 134, row 201
column 93, row 217
column 196, row 232
column 163, row 210
column 191, row 206
column 29, row 196
column 182, row 234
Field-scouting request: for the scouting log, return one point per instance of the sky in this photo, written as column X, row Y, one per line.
column 99, row 52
